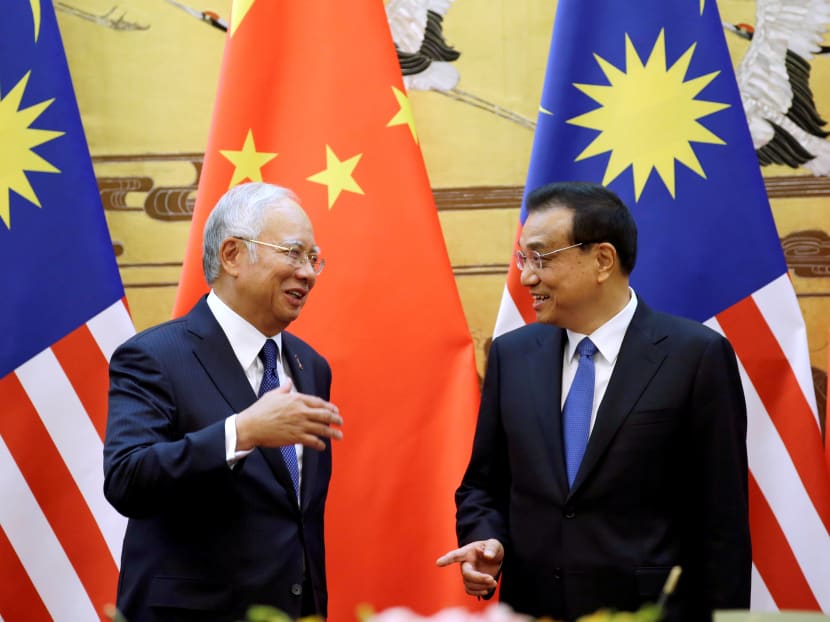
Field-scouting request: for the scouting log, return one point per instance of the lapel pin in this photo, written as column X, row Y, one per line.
column 299, row 364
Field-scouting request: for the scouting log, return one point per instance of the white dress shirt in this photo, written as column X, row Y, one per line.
column 608, row 339
column 246, row 342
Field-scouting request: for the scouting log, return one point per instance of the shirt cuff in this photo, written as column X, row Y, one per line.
column 232, row 456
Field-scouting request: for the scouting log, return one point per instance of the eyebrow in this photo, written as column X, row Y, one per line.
column 314, row 248
column 538, row 244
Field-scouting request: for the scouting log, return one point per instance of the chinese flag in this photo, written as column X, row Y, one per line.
column 311, row 97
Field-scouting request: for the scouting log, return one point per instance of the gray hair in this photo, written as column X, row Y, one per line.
column 240, row 212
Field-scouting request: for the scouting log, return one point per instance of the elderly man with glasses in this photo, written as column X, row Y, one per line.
column 610, row 444
column 218, row 441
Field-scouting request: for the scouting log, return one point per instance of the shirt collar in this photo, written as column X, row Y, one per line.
column 607, row 338
column 246, row 341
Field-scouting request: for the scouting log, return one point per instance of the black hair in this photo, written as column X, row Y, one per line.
column 599, row 215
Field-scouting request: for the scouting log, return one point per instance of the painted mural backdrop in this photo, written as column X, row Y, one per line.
column 145, row 72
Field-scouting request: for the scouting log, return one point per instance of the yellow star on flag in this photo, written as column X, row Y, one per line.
column 248, row 162
column 17, row 157
column 404, row 114
column 239, row 10
column 337, row 175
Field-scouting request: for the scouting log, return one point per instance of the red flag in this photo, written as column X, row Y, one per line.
column 311, row 97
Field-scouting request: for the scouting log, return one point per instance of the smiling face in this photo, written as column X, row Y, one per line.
column 269, row 291
column 566, row 291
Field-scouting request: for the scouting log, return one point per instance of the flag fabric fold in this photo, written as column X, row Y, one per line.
column 311, row 97
column 643, row 99
column 63, row 314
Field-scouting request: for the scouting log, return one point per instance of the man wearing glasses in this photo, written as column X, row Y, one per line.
column 610, row 444
column 218, row 441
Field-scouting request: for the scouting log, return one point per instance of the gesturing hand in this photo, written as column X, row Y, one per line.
column 282, row 417
column 480, row 562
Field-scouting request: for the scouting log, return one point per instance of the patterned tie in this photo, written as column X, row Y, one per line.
column 576, row 416
column 270, row 380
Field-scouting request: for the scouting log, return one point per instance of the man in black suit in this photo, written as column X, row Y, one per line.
column 225, row 490
column 574, row 519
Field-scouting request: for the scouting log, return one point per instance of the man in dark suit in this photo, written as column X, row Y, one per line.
column 224, row 490
column 574, row 517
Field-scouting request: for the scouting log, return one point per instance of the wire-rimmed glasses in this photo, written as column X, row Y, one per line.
column 535, row 259
column 295, row 254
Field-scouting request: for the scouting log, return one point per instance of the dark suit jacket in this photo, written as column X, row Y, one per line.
column 203, row 541
column 663, row 480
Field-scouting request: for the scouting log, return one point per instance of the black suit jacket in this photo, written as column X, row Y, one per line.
column 205, row 541
column 663, row 480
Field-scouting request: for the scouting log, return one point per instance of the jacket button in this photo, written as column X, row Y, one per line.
column 569, row 513
column 557, row 573
column 297, row 589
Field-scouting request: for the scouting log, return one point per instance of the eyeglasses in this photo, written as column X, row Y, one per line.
column 296, row 256
column 535, row 259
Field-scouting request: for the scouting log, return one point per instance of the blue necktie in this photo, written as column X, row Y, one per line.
column 270, row 380
column 576, row 415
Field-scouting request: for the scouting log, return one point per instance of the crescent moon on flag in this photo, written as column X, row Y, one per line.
column 36, row 16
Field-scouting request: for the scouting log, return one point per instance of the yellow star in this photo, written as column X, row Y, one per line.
column 17, row 157
column 648, row 116
column 239, row 10
column 404, row 114
column 248, row 162
column 338, row 175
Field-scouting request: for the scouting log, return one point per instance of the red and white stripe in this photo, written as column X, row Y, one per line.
column 60, row 544
column 789, row 485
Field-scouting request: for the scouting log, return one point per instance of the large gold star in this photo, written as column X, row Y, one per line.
column 648, row 116
column 17, row 157
column 404, row 114
column 239, row 10
column 337, row 175
column 248, row 162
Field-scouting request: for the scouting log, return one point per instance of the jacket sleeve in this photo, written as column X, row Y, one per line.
column 483, row 496
column 149, row 462
column 719, row 429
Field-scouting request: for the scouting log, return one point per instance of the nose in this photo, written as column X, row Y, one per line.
column 528, row 276
column 305, row 271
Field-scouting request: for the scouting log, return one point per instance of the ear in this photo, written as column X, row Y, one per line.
column 231, row 256
column 606, row 260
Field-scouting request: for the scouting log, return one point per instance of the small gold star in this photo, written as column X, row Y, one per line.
column 239, row 10
column 337, row 175
column 404, row 114
column 248, row 162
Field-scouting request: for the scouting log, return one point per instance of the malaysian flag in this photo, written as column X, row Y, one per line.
column 62, row 315
column 642, row 98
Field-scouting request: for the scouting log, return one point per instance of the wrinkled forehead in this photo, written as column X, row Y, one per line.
column 552, row 226
column 288, row 222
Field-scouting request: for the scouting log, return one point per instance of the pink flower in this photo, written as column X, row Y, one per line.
column 494, row 613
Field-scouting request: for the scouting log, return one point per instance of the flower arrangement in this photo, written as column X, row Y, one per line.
column 494, row 613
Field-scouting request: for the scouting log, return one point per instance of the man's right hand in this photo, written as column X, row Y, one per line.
column 480, row 563
column 285, row 417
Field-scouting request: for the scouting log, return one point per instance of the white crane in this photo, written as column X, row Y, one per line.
column 773, row 78
column 425, row 56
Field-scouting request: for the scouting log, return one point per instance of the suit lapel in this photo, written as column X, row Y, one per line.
column 639, row 359
column 545, row 373
column 214, row 353
column 304, row 383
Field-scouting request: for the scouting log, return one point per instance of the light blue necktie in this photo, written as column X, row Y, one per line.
column 270, row 380
column 576, row 415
